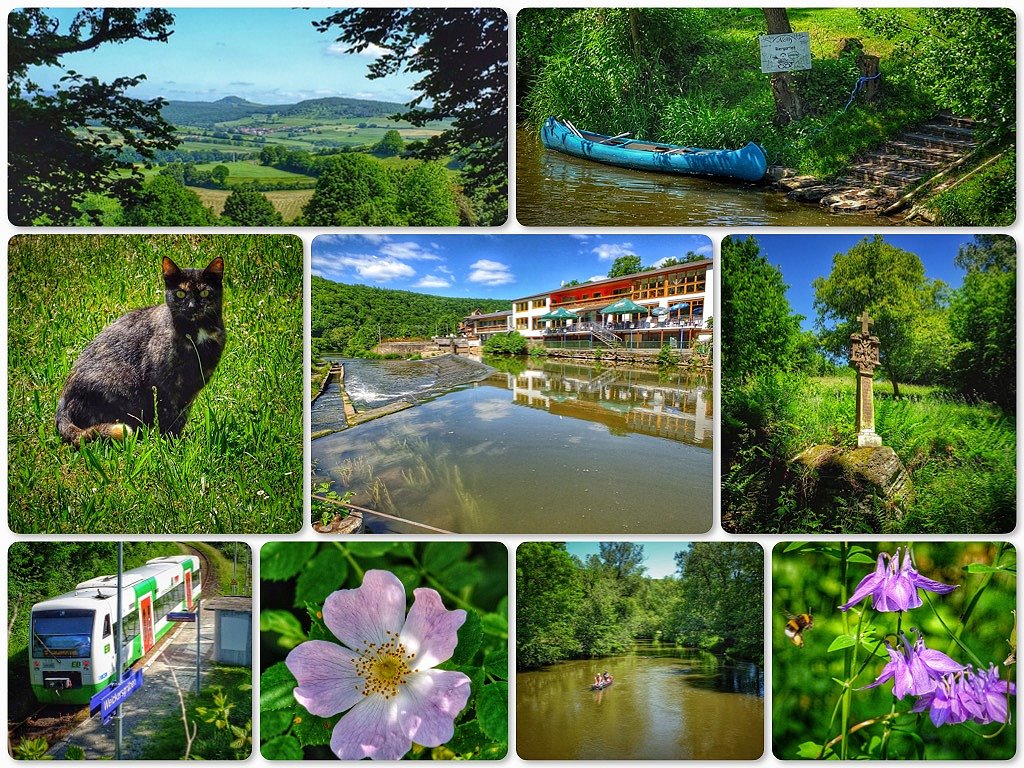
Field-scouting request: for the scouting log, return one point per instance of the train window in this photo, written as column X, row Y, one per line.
column 106, row 625
column 63, row 634
column 196, row 578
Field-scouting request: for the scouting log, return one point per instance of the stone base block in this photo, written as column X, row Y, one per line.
column 869, row 439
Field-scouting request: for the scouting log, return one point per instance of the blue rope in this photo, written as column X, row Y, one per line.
column 860, row 84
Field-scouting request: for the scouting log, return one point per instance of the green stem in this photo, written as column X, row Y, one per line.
column 952, row 635
column 847, row 655
column 887, row 734
column 351, row 560
column 977, row 595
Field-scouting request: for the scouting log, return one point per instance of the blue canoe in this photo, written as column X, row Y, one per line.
column 746, row 164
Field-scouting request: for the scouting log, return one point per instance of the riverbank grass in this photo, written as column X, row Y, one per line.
column 237, row 467
column 960, row 455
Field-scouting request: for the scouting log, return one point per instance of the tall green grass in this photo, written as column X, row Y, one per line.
column 237, row 468
column 961, row 457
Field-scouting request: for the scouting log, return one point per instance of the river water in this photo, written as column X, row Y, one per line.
column 557, row 190
column 666, row 704
column 539, row 448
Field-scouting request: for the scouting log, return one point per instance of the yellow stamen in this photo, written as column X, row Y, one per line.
column 384, row 668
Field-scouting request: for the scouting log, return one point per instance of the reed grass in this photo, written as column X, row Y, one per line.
column 237, row 468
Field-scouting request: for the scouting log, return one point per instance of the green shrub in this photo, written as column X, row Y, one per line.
column 506, row 344
column 988, row 199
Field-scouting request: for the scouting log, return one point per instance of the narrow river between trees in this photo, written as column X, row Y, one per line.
column 666, row 703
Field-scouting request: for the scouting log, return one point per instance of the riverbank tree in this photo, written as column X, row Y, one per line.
column 569, row 608
column 947, row 354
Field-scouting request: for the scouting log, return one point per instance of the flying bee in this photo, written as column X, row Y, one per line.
column 796, row 626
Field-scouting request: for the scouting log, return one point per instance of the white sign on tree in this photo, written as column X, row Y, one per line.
column 785, row 53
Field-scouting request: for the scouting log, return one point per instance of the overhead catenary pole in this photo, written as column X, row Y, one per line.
column 199, row 632
column 120, row 639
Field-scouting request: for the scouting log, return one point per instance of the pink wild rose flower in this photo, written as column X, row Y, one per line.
column 384, row 673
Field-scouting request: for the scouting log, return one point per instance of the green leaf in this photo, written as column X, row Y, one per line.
column 461, row 575
column 495, row 624
column 313, row 731
column 317, row 629
column 496, row 664
column 981, row 568
column 809, row 750
column 409, row 576
column 470, row 635
column 794, row 546
column 873, row 646
column 841, row 642
column 492, row 711
column 285, row 625
column 281, row 560
column 362, row 550
column 274, row 722
column 276, row 687
column 467, row 739
column 282, row 748
column 860, row 557
column 438, row 555
column 503, row 608
column 325, row 573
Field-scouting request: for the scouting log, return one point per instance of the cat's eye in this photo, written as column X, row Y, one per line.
column 204, row 293
column 180, row 294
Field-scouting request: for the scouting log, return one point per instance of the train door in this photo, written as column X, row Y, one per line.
column 188, row 588
column 146, row 609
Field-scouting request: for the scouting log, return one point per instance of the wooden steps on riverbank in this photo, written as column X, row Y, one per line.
column 877, row 179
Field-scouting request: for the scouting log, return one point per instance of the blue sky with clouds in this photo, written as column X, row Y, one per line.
column 487, row 266
column 805, row 257
column 266, row 55
column 659, row 556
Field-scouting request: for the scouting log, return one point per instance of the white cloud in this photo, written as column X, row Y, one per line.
column 376, row 269
column 432, row 281
column 490, row 272
column 371, row 51
column 705, row 249
column 612, row 251
column 407, row 251
column 592, row 278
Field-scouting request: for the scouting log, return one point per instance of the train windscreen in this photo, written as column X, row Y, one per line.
column 62, row 634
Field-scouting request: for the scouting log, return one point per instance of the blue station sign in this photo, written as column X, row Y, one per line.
column 181, row 616
column 109, row 699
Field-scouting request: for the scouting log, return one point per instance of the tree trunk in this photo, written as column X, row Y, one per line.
column 895, row 384
column 788, row 106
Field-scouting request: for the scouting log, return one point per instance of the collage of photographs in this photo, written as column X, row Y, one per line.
column 511, row 383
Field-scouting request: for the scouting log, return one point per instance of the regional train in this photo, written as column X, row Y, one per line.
column 72, row 640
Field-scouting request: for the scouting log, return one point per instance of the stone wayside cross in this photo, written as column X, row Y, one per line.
column 864, row 357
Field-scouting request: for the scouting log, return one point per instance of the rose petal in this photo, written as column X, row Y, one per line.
column 328, row 683
column 370, row 729
column 431, row 631
column 429, row 703
column 367, row 613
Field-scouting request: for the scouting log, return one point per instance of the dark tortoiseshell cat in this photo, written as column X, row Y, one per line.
column 163, row 354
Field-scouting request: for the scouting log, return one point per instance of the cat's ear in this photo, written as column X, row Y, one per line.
column 171, row 270
column 216, row 267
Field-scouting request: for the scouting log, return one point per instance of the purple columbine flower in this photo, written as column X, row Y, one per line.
column 914, row 669
column 385, row 677
column 970, row 694
column 893, row 587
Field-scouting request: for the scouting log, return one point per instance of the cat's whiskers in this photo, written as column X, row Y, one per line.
column 198, row 358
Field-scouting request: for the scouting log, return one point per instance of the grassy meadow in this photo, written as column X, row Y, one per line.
column 960, row 455
column 237, row 468
column 287, row 202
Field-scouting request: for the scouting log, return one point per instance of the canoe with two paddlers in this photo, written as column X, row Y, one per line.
column 746, row 164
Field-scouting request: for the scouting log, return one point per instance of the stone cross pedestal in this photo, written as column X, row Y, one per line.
column 864, row 357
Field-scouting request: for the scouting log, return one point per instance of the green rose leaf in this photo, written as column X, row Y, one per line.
column 323, row 575
column 438, row 555
column 496, row 664
column 282, row 748
column 470, row 635
column 362, row 550
column 461, row 575
column 492, row 711
column 274, row 722
column 467, row 739
column 313, row 731
column 809, row 750
column 495, row 624
column 281, row 560
column 285, row 625
column 276, row 686
column 317, row 629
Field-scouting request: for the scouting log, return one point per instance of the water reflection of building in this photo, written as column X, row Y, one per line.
column 626, row 400
column 645, row 309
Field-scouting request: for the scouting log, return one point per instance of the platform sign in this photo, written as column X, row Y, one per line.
column 109, row 699
column 181, row 616
column 785, row 53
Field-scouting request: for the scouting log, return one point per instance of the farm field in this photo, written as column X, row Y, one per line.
column 287, row 202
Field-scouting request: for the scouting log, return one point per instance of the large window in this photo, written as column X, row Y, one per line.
column 540, row 303
column 522, row 306
column 62, row 634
